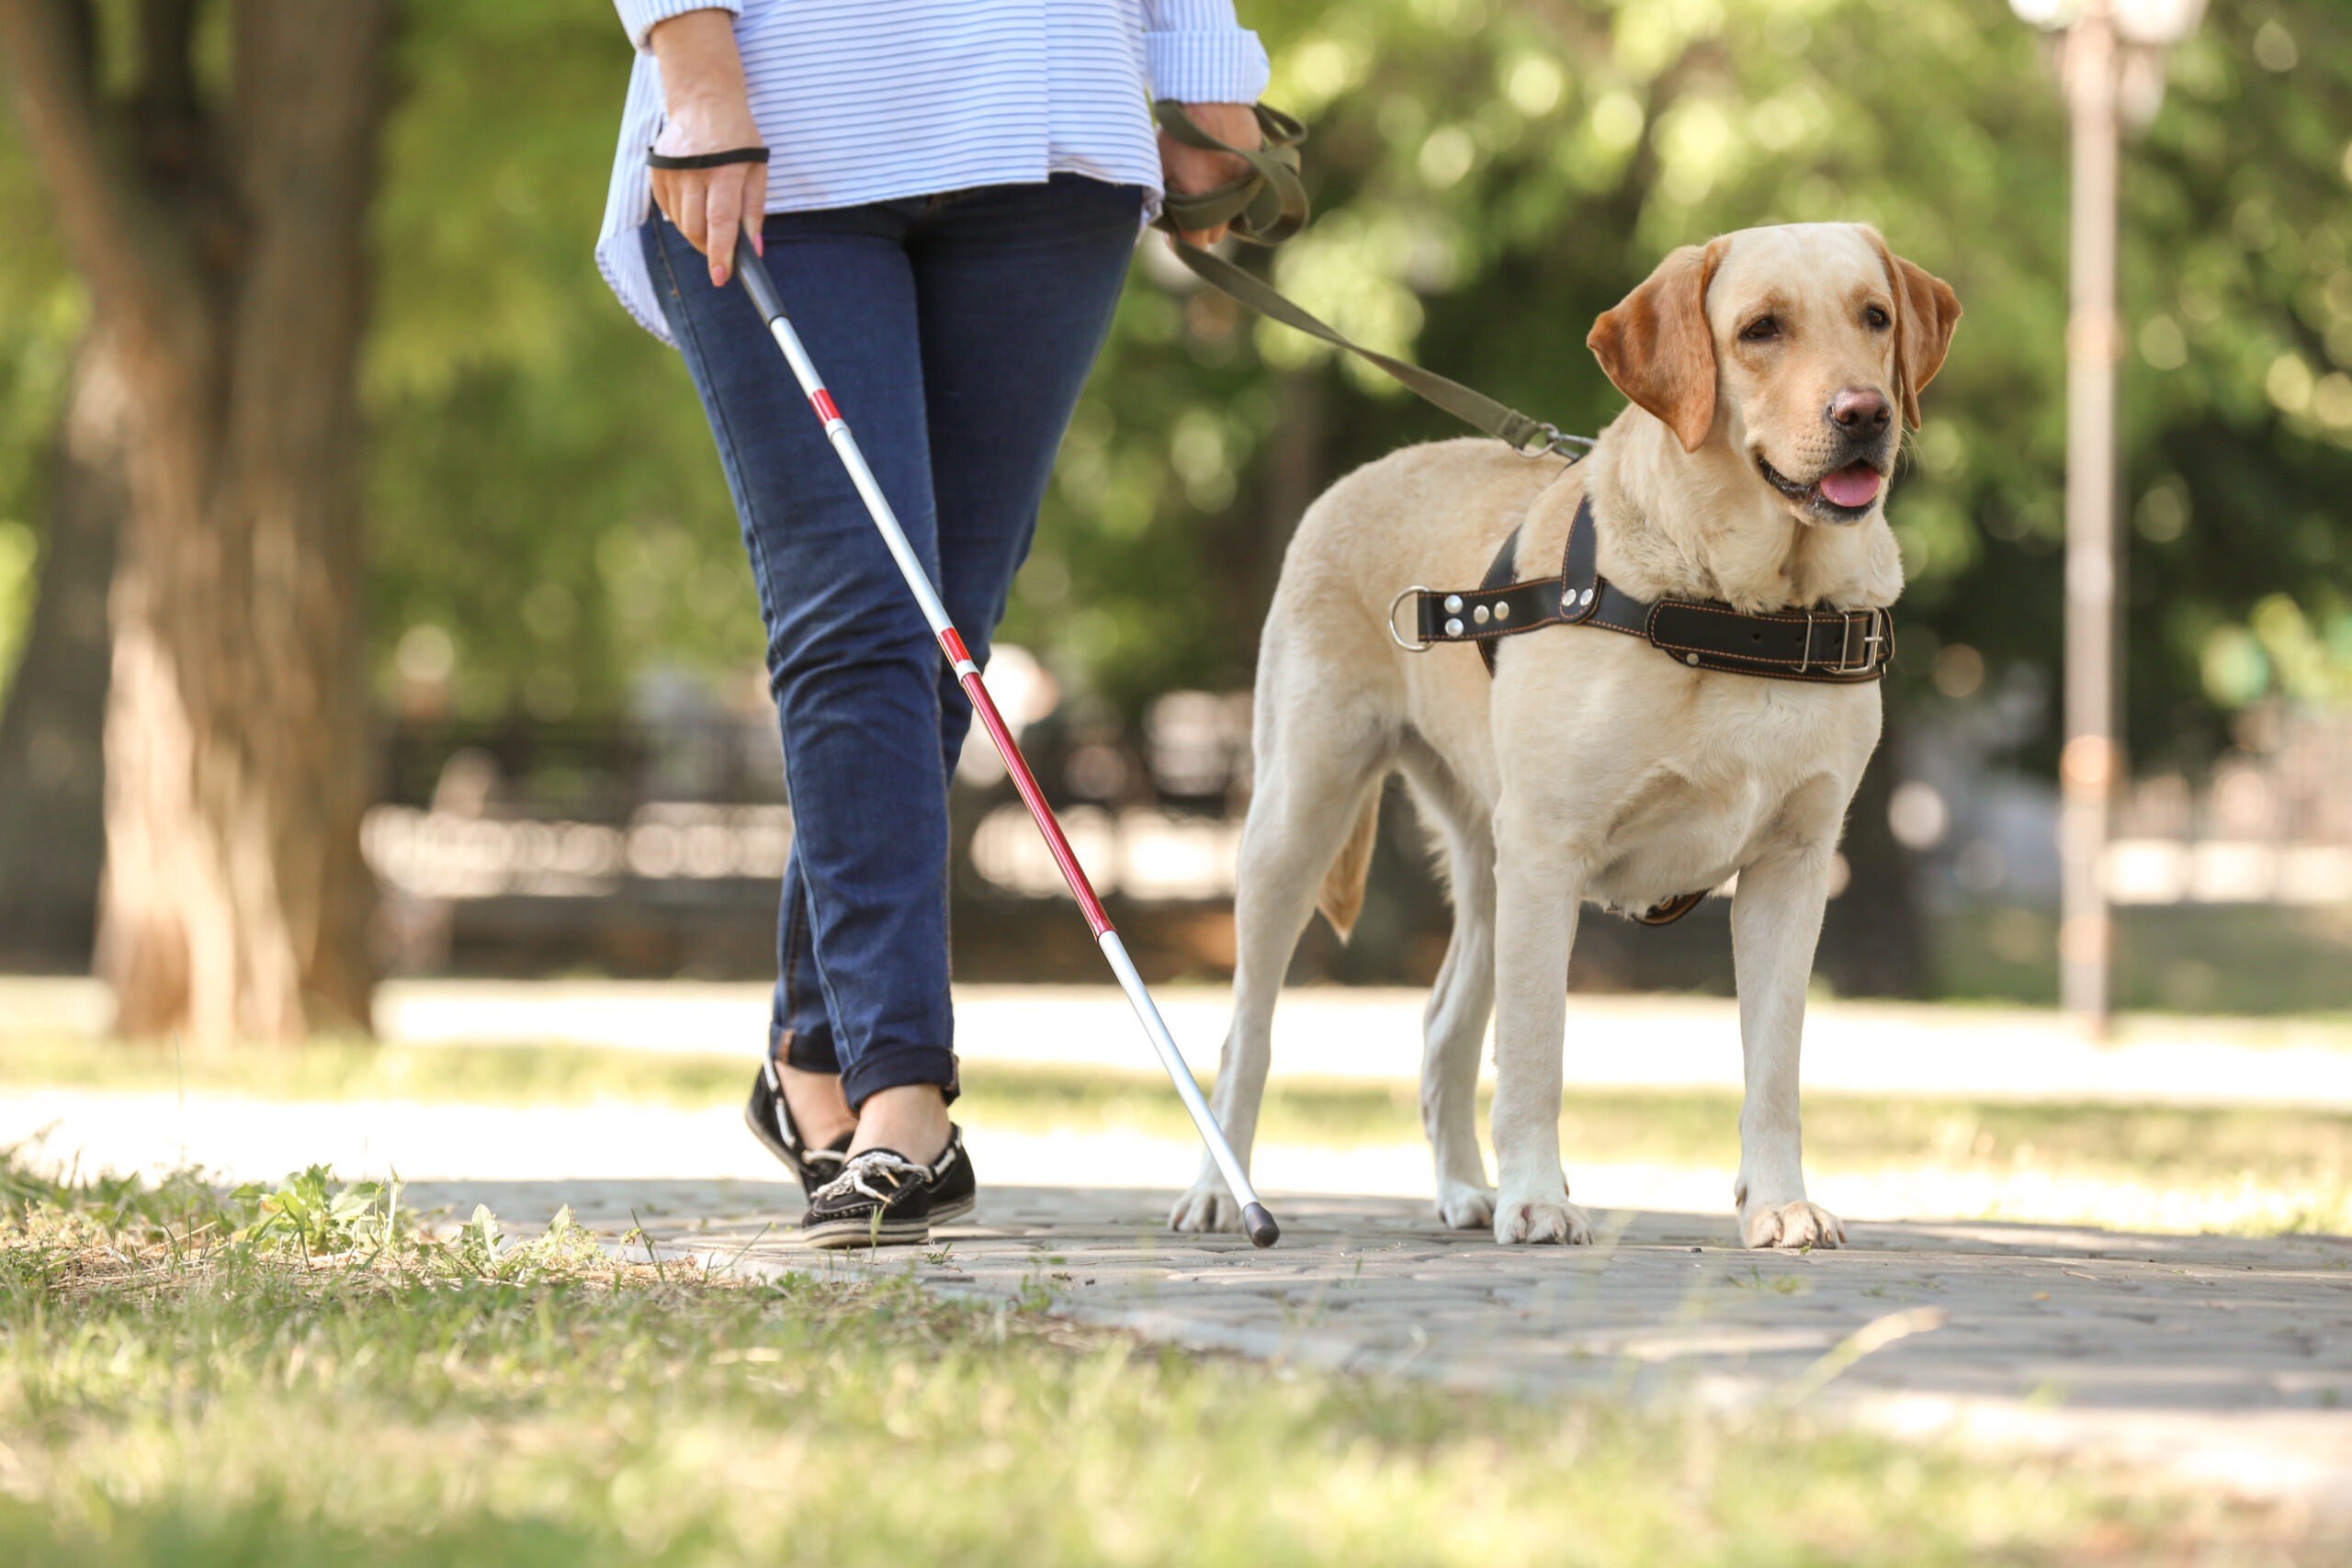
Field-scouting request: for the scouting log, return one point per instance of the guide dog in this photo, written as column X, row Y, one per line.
column 1770, row 372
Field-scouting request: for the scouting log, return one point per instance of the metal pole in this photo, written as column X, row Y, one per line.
column 2088, row 767
column 1255, row 1219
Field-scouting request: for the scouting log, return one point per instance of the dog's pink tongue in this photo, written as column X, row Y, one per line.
column 1853, row 485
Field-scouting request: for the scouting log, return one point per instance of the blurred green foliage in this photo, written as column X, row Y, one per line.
column 548, row 518
column 41, row 317
column 546, row 507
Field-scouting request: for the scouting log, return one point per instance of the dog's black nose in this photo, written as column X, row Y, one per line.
column 1860, row 410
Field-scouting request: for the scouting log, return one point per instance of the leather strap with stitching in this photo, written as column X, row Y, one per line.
column 1826, row 647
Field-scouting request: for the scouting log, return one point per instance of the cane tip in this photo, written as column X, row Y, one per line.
column 1260, row 1225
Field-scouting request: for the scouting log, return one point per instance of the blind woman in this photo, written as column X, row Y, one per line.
column 945, row 195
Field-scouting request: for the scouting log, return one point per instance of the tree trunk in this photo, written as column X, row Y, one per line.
column 52, row 835
column 226, row 248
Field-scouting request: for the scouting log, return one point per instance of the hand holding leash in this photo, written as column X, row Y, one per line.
column 1263, row 202
column 1189, row 169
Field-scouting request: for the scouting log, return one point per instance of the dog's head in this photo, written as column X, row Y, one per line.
column 1793, row 346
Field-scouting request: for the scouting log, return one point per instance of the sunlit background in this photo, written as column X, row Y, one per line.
column 575, row 769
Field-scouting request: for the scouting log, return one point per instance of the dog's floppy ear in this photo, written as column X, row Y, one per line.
column 1656, row 346
column 1926, row 311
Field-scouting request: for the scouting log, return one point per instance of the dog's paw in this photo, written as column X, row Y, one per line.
column 1540, row 1221
column 1462, row 1206
column 1791, row 1224
column 1206, row 1208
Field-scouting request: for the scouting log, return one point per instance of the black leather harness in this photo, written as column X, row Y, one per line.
column 1840, row 647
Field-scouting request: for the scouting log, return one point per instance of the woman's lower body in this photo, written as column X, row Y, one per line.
column 954, row 333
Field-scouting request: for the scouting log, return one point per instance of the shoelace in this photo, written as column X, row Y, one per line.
column 878, row 1162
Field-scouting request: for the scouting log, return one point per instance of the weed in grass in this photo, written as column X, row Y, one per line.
column 1778, row 1284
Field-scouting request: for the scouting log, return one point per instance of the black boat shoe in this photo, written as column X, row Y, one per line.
column 769, row 1117
column 880, row 1199
column 953, row 1189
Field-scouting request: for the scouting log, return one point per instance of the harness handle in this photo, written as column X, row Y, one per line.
column 1267, row 206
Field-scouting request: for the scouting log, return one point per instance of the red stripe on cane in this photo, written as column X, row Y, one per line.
column 822, row 401
column 954, row 646
column 1034, row 798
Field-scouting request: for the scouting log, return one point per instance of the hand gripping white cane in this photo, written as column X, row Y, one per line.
column 1255, row 1219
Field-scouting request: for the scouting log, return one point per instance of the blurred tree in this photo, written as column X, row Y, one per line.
column 52, row 837
column 210, row 167
column 60, row 503
column 552, row 516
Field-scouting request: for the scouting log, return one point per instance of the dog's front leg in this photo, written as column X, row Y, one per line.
column 1535, row 924
column 1775, row 925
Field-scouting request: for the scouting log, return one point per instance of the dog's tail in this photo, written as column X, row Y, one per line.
column 1341, row 899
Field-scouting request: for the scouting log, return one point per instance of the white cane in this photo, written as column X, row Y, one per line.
column 1255, row 1219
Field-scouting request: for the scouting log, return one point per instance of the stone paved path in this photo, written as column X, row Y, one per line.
column 2203, row 1360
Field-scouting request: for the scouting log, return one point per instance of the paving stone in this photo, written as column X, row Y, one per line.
column 2224, row 1361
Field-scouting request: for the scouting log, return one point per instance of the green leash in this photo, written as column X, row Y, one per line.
column 1267, row 206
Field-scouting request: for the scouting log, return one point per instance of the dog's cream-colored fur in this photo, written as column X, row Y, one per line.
column 1592, row 768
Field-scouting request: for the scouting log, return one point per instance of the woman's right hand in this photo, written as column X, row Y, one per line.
column 710, row 111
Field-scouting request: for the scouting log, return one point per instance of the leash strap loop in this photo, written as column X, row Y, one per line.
column 1515, row 430
column 1267, row 206
column 1264, row 206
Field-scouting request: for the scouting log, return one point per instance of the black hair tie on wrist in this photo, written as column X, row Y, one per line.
column 706, row 160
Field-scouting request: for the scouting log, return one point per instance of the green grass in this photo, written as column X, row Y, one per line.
column 2156, row 1143
column 178, row 1388
column 1665, row 1127
column 2246, row 960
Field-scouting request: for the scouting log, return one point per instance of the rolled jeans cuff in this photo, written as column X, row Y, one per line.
column 809, row 1049
column 878, row 1067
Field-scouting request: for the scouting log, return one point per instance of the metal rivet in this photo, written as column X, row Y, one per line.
column 1453, row 629
column 1454, row 604
column 1567, row 599
column 1502, row 612
column 1480, row 615
column 1586, row 597
column 1690, row 659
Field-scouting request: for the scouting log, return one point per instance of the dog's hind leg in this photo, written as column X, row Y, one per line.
column 1318, row 774
column 1775, row 925
column 1455, row 1023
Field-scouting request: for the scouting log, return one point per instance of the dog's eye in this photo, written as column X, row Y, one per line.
column 1763, row 328
column 1879, row 320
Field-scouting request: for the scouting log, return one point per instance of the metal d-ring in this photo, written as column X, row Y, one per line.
column 1546, row 441
column 1408, row 647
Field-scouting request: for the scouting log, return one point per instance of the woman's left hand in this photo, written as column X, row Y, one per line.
column 1190, row 170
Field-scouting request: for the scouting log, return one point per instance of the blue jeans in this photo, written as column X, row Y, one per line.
column 955, row 332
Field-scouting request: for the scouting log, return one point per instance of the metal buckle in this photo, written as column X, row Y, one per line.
column 1845, row 665
column 1409, row 647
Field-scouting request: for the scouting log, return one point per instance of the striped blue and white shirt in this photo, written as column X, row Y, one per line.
column 872, row 100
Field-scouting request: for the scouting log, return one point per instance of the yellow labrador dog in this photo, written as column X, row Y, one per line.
column 1769, row 371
